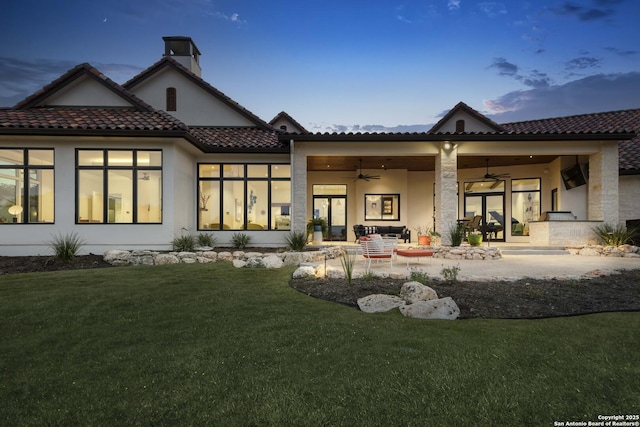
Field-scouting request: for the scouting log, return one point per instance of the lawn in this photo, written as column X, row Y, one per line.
column 209, row 344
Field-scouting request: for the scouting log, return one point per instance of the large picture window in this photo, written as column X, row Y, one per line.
column 244, row 196
column 26, row 186
column 119, row 186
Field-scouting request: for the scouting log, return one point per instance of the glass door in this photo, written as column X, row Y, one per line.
column 486, row 200
column 333, row 210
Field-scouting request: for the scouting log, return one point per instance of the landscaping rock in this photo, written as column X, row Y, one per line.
column 238, row 263
column 272, row 261
column 164, row 259
column 304, row 271
column 379, row 303
column 415, row 291
column 444, row 308
column 117, row 255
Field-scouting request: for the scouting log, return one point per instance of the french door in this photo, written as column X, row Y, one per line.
column 333, row 210
column 490, row 205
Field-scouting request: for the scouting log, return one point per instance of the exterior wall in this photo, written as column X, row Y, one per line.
column 195, row 107
column 32, row 239
column 86, row 92
column 629, row 196
column 471, row 124
column 446, row 198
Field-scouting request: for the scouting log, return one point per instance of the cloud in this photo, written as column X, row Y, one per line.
column 338, row 128
column 620, row 52
column 596, row 93
column 535, row 79
column 21, row 78
column 601, row 11
column 234, row 17
column 453, row 4
column 491, row 8
column 582, row 63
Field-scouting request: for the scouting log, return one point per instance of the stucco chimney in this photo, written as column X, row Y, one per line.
column 183, row 50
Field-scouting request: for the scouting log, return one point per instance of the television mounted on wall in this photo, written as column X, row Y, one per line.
column 575, row 176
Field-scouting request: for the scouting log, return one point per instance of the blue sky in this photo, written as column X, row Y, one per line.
column 348, row 65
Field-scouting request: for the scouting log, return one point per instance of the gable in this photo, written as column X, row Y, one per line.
column 84, row 92
column 195, row 106
column 471, row 124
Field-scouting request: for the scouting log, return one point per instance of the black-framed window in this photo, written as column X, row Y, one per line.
column 382, row 207
column 116, row 186
column 244, row 196
column 26, row 185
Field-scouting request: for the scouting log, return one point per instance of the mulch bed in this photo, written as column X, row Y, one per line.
column 520, row 299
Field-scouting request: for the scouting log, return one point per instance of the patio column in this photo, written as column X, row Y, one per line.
column 298, row 187
column 603, row 184
column 446, row 176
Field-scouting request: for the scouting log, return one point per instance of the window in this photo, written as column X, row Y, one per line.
column 525, row 204
column 385, row 207
column 119, row 186
column 26, row 186
column 459, row 125
column 244, row 196
column 172, row 103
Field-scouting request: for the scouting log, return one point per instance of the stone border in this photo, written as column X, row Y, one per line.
column 207, row 255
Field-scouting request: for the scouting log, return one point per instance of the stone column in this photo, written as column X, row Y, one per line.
column 603, row 195
column 298, row 187
column 446, row 176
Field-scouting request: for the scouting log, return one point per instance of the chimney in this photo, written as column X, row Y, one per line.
column 183, row 50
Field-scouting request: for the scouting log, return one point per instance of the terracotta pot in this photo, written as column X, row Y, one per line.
column 424, row 240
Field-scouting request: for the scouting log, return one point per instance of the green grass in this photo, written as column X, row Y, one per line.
column 210, row 344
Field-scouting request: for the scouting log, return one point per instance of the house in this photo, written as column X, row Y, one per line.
column 132, row 166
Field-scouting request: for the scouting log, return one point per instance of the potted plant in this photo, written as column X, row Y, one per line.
column 475, row 238
column 434, row 236
column 424, row 235
column 317, row 224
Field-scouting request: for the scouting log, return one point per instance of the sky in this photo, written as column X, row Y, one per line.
column 348, row 65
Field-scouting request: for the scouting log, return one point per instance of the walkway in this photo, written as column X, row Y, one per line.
column 509, row 267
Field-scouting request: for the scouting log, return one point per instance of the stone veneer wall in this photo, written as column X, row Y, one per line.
column 562, row 233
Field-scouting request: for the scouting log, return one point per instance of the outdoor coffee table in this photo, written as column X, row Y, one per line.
column 414, row 253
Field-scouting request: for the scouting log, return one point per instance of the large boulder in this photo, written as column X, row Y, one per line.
column 272, row 261
column 415, row 291
column 379, row 303
column 444, row 308
column 163, row 259
column 304, row 271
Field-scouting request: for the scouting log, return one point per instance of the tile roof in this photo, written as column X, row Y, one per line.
column 170, row 62
column 78, row 119
column 607, row 122
column 247, row 139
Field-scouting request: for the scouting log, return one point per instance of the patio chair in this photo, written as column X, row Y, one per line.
column 375, row 249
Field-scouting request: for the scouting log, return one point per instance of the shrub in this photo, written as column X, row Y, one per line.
column 348, row 261
column 185, row 243
column 240, row 240
column 450, row 274
column 296, row 240
column 609, row 235
column 206, row 239
column 456, row 234
column 65, row 247
column 419, row 276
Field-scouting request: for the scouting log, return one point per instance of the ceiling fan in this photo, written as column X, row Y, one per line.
column 494, row 176
column 366, row 176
